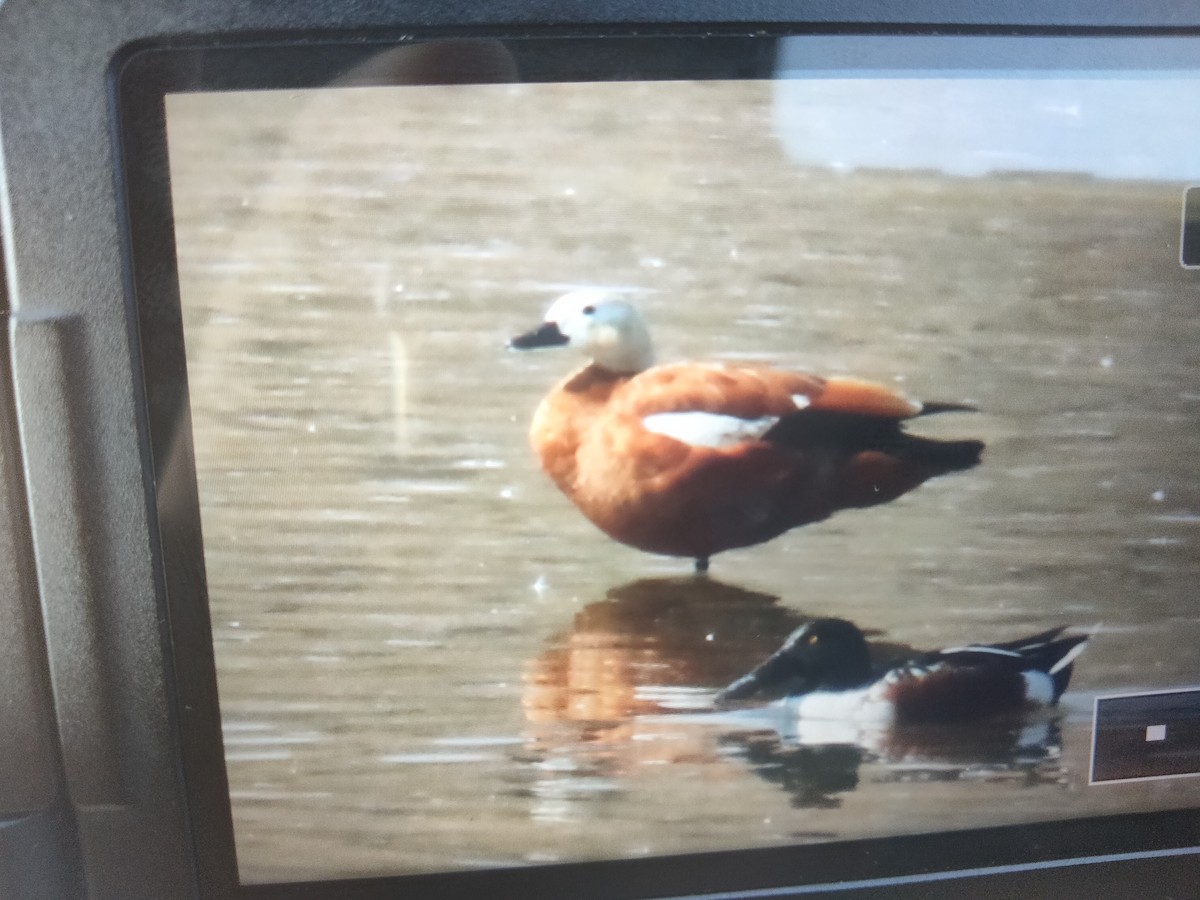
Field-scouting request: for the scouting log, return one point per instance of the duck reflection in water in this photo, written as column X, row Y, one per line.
column 600, row 700
column 650, row 645
column 812, row 774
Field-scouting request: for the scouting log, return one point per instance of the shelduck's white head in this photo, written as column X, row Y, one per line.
column 609, row 330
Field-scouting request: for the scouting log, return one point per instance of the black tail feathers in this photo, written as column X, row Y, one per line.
column 1058, row 657
column 946, row 456
column 851, row 433
column 932, row 409
column 1048, row 652
column 951, row 456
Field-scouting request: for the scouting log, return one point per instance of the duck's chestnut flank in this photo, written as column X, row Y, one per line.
column 694, row 459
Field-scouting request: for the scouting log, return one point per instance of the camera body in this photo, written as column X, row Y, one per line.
column 106, row 765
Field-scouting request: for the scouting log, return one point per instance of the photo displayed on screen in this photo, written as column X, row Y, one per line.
column 876, row 366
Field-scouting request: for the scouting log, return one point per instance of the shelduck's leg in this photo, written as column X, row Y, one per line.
column 701, row 565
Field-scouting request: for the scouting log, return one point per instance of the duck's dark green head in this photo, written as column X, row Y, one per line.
column 825, row 654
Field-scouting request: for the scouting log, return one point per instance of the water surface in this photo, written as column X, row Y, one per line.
column 429, row 660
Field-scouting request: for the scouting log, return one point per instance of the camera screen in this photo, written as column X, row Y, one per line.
column 448, row 636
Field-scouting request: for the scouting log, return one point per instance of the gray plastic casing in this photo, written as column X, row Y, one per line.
column 92, row 802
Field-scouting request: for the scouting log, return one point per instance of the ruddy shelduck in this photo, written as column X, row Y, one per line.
column 693, row 459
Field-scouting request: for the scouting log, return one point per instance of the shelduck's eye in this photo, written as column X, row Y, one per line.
column 588, row 310
column 812, row 639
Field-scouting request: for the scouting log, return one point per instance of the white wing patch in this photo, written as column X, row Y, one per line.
column 1039, row 688
column 1068, row 658
column 981, row 648
column 703, row 429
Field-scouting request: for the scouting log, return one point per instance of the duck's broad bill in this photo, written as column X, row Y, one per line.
column 429, row 659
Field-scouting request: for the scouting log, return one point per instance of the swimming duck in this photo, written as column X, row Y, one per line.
column 823, row 671
column 694, row 459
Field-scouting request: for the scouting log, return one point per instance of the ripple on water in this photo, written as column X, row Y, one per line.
column 425, row 759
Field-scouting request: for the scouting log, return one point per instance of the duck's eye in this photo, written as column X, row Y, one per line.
column 812, row 639
column 588, row 310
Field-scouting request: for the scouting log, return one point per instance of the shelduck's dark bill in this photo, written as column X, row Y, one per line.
column 547, row 335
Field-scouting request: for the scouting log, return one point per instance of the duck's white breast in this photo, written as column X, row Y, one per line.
column 866, row 706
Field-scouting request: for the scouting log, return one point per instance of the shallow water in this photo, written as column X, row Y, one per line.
column 429, row 660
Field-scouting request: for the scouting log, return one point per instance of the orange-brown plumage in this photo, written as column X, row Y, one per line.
column 693, row 459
